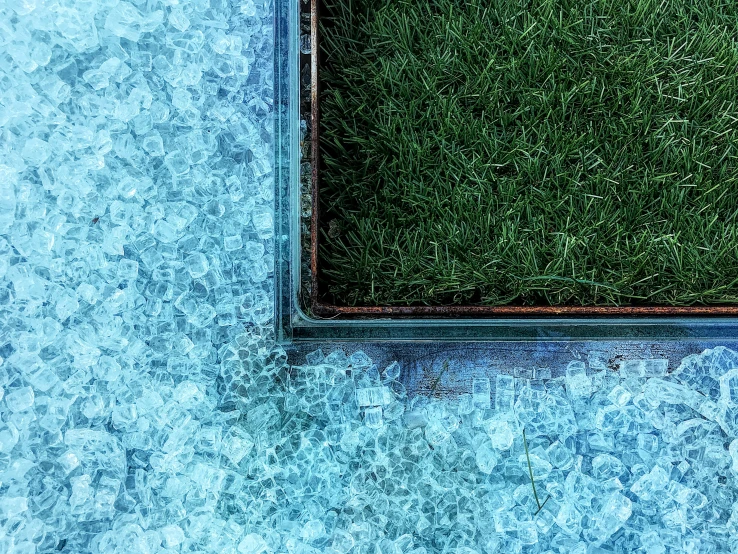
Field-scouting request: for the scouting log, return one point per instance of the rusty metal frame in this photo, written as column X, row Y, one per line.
column 325, row 310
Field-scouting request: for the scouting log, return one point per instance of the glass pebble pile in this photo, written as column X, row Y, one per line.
column 136, row 244
column 144, row 407
column 628, row 461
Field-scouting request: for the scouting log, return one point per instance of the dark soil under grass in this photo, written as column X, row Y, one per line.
column 535, row 152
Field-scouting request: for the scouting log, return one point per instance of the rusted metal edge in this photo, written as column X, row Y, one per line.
column 326, row 310
column 330, row 310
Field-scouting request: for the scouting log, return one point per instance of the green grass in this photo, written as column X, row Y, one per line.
column 562, row 152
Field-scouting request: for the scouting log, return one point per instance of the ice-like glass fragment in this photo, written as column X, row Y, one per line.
column 20, row 399
column 578, row 383
column 481, row 393
column 729, row 388
column 619, row 396
column 504, row 393
column 650, row 484
column 644, row 368
column 126, row 21
column 373, row 417
column 616, row 510
column 373, row 396
column 392, row 372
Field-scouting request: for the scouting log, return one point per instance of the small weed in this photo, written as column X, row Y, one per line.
column 532, row 480
column 437, row 380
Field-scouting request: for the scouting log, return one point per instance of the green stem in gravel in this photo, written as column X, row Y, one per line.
column 532, row 480
column 437, row 380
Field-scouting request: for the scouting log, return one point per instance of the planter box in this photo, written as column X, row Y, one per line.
column 302, row 314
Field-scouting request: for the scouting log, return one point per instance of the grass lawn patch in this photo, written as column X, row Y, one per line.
column 550, row 152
